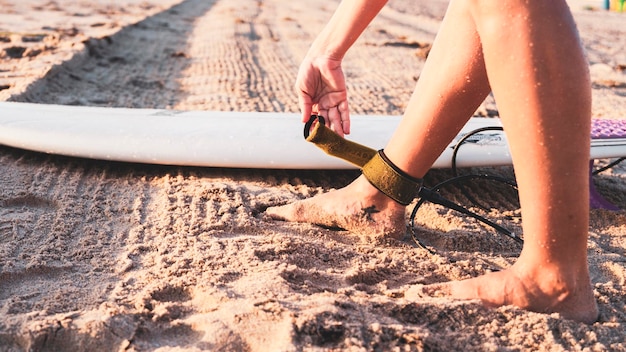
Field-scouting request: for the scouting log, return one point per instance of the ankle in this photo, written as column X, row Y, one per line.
column 370, row 194
column 389, row 179
column 559, row 282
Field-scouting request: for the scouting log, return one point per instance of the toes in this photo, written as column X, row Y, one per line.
column 438, row 290
column 427, row 291
column 289, row 212
column 277, row 213
column 415, row 292
column 274, row 213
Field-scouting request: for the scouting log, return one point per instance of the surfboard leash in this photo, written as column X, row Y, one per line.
column 608, row 166
column 332, row 144
column 316, row 132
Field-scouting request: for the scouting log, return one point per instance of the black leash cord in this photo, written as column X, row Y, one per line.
column 432, row 195
column 604, row 168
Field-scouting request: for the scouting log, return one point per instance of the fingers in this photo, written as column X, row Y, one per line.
column 344, row 112
column 306, row 106
column 338, row 123
column 337, row 115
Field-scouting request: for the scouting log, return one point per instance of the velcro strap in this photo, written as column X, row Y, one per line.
column 390, row 180
column 333, row 144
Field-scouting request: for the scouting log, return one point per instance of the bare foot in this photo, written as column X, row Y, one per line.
column 358, row 208
column 545, row 291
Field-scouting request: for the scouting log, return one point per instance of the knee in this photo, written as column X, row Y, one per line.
column 499, row 6
column 504, row 15
column 489, row 16
column 485, row 9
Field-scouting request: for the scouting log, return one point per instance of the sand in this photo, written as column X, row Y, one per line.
column 104, row 256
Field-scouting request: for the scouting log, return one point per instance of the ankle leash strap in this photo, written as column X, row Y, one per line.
column 389, row 179
column 376, row 167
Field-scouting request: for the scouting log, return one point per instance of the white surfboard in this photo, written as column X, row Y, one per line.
column 228, row 139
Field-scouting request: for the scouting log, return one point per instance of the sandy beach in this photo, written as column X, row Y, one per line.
column 107, row 256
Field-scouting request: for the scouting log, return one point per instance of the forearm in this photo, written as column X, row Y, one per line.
column 344, row 28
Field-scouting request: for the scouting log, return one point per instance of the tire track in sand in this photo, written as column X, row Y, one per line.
column 234, row 66
column 137, row 67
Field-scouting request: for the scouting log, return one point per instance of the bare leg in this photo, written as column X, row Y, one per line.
column 540, row 81
column 439, row 107
column 545, row 109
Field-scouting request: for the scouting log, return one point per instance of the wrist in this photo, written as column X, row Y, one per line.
column 326, row 52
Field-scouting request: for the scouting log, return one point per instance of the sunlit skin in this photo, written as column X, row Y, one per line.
column 515, row 48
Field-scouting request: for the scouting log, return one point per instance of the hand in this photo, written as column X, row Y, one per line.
column 321, row 89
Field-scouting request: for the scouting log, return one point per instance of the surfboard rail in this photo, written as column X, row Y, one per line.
column 229, row 138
